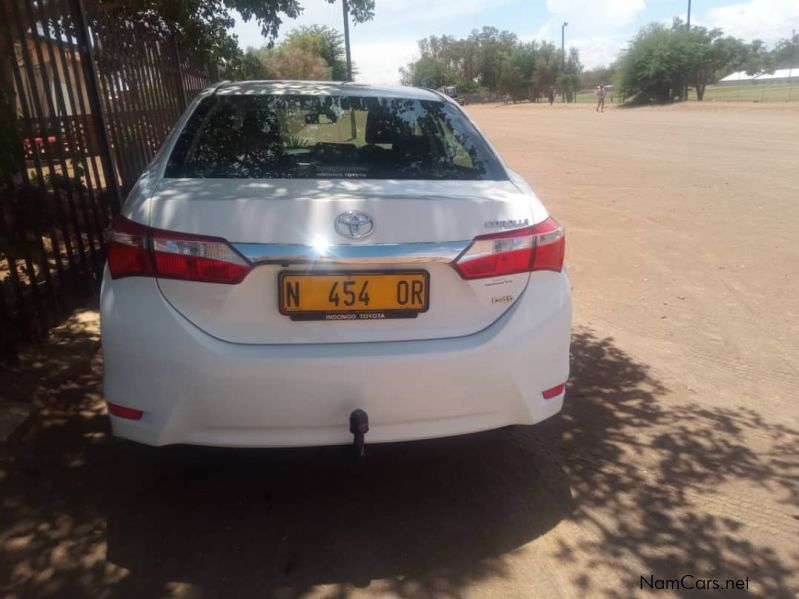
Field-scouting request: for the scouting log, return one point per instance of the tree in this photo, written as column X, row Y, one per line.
column 712, row 55
column 428, row 72
column 324, row 42
column 467, row 63
column 245, row 66
column 547, row 68
column 656, row 66
column 267, row 13
column 310, row 53
column 755, row 58
column 786, row 52
column 490, row 45
column 661, row 61
column 570, row 82
column 597, row 75
column 516, row 71
column 290, row 61
column 490, row 61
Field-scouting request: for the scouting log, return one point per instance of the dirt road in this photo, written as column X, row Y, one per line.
column 676, row 454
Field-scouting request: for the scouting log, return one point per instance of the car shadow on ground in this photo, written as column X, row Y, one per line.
column 88, row 515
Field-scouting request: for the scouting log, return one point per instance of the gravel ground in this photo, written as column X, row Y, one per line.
column 676, row 453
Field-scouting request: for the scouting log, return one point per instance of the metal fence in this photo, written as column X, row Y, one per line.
column 95, row 94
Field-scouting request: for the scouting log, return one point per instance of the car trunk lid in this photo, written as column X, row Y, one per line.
column 288, row 226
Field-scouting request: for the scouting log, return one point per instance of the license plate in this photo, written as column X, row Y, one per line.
column 353, row 295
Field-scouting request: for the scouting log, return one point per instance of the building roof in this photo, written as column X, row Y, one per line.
column 324, row 88
column 778, row 74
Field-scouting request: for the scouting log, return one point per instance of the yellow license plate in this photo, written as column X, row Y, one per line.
column 353, row 295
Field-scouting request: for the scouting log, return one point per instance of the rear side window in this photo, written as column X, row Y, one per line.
column 323, row 137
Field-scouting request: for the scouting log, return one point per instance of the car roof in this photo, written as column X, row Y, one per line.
column 324, row 88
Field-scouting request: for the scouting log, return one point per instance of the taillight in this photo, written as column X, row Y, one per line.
column 540, row 247
column 136, row 250
column 197, row 258
column 128, row 249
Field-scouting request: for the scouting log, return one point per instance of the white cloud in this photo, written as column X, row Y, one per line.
column 768, row 20
column 379, row 62
column 432, row 14
column 600, row 50
column 377, row 50
column 591, row 18
column 599, row 29
column 391, row 17
column 249, row 34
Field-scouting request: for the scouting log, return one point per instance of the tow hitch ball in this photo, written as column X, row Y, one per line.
column 359, row 426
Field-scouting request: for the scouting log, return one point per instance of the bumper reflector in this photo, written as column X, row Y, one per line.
column 123, row 412
column 554, row 391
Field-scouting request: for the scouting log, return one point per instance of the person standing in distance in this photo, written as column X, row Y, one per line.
column 600, row 97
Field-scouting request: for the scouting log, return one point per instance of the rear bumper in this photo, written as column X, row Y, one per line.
column 194, row 388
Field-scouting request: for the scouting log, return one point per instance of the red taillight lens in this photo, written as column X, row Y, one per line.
column 124, row 412
column 540, row 247
column 554, row 391
column 136, row 250
column 196, row 258
column 550, row 246
column 128, row 249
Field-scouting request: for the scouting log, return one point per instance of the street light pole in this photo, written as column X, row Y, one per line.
column 688, row 22
column 346, row 10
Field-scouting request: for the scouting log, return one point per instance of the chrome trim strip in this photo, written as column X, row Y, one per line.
column 379, row 253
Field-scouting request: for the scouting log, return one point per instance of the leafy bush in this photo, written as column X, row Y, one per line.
column 655, row 67
column 661, row 62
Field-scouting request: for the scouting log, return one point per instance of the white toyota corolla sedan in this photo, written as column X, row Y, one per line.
column 304, row 262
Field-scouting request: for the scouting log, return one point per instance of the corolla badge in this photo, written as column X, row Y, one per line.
column 354, row 224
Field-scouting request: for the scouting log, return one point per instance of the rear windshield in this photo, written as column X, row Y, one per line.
column 323, row 137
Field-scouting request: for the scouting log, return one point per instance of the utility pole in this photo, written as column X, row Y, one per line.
column 346, row 9
column 563, row 57
column 688, row 28
column 793, row 62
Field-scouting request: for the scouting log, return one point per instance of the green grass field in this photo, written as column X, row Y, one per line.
column 588, row 97
column 761, row 92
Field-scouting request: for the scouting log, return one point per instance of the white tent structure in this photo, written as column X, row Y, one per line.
column 790, row 75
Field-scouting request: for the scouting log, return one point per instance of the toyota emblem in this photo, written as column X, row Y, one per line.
column 354, row 224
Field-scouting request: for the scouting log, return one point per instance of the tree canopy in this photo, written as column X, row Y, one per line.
column 325, row 42
column 289, row 61
column 494, row 62
column 662, row 61
column 204, row 26
column 786, row 52
column 309, row 53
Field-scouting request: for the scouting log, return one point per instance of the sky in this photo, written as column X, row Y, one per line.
column 598, row 28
